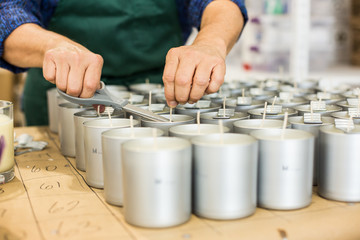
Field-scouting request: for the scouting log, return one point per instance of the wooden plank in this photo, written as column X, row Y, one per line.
column 48, row 202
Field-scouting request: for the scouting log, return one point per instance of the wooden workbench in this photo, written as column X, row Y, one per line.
column 49, row 199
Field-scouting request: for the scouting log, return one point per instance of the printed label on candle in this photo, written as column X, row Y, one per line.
column 6, row 143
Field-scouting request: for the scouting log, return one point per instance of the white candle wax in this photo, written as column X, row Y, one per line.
column 6, row 143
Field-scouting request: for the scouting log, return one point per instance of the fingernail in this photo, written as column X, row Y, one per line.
column 173, row 103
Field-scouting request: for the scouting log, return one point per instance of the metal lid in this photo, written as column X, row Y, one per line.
column 281, row 134
column 135, row 132
column 219, row 140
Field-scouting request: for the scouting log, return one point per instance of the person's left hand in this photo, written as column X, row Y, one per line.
column 191, row 71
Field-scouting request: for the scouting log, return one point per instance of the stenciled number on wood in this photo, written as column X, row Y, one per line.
column 78, row 228
column 49, row 168
column 45, row 186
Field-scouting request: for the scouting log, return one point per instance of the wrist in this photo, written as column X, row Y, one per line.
column 217, row 43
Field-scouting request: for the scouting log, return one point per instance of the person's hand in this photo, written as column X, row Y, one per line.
column 73, row 68
column 191, row 71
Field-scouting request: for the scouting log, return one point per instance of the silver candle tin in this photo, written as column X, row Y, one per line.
column 157, row 181
column 345, row 105
column 177, row 119
column 93, row 150
column 112, row 141
column 66, row 128
column 285, row 168
column 180, row 109
column 339, row 165
column 248, row 125
column 314, row 129
column 192, row 130
column 307, row 109
column 225, row 175
column 213, row 118
column 52, row 109
column 258, row 113
column 79, row 119
column 344, row 115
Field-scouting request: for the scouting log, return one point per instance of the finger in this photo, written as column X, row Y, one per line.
column 75, row 80
column 217, row 78
column 49, row 68
column 62, row 72
column 183, row 80
column 171, row 65
column 92, row 76
column 201, row 81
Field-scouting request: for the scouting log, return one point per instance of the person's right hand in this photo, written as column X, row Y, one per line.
column 73, row 68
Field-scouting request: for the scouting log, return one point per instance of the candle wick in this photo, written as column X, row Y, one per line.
column 273, row 103
column 150, row 101
column 108, row 112
column 198, row 120
column 132, row 126
column 264, row 116
column 243, row 92
column 171, row 110
column 98, row 110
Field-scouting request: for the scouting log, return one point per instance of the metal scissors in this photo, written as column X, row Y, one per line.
column 104, row 97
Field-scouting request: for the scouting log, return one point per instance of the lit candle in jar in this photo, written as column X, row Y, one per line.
column 6, row 142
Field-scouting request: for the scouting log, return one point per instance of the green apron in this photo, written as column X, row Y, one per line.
column 132, row 36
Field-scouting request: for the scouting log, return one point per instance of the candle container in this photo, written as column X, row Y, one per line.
column 344, row 115
column 145, row 88
column 218, row 97
column 345, row 105
column 288, row 103
column 339, row 165
column 112, row 141
column 67, row 127
column 258, row 113
column 177, row 119
column 233, row 103
column 79, row 119
column 224, row 175
column 113, row 89
column 248, row 125
column 260, row 94
column 51, row 95
column 214, row 117
column 93, row 150
column 6, row 142
column 329, row 99
column 313, row 128
column 182, row 109
column 286, row 159
column 53, row 101
column 157, row 181
column 302, row 109
column 192, row 130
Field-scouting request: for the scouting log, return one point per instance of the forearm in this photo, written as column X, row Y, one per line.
column 221, row 25
column 26, row 46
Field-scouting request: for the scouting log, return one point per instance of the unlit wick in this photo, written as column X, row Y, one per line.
column 264, row 116
column 171, row 110
column 150, row 101
column 147, row 80
column 132, row 126
column 98, row 110
column 198, row 120
column 224, row 107
column 109, row 115
column 273, row 103
column 284, row 125
column 221, row 127
column 243, row 92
